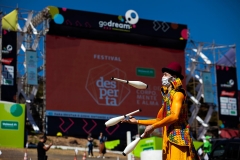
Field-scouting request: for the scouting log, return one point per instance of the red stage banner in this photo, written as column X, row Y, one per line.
column 79, row 71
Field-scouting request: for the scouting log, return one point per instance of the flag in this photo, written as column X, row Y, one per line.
column 9, row 21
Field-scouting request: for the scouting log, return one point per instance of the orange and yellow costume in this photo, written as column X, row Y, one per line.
column 177, row 140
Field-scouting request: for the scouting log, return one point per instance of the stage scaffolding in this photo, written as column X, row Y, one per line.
column 202, row 57
column 31, row 36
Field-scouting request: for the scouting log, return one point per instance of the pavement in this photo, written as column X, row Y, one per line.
column 59, row 153
column 81, row 149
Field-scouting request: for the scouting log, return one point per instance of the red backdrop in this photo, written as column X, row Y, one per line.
column 78, row 73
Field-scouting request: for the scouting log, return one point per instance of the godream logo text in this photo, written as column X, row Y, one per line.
column 114, row 25
column 130, row 21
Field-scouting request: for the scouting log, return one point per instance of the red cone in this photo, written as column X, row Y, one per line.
column 84, row 156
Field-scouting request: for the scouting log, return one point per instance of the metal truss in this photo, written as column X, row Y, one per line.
column 202, row 57
column 31, row 35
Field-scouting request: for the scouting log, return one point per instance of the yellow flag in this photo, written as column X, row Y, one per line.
column 9, row 21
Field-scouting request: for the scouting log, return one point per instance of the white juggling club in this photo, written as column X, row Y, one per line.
column 115, row 120
column 132, row 145
column 136, row 84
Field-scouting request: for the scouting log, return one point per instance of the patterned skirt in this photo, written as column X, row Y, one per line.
column 173, row 151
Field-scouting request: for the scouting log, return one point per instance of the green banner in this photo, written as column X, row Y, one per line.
column 9, row 125
column 146, row 72
column 12, row 124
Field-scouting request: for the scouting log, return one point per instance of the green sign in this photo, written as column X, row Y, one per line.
column 9, row 125
column 154, row 143
column 233, row 113
column 146, row 72
column 12, row 124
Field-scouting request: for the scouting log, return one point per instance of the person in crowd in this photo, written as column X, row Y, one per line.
column 90, row 145
column 42, row 148
column 102, row 148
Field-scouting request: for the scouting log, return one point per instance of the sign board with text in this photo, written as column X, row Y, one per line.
column 8, row 66
column 227, row 95
column 79, row 75
column 12, row 124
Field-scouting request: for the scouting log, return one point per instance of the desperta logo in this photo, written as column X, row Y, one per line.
column 104, row 91
column 130, row 21
column 8, row 49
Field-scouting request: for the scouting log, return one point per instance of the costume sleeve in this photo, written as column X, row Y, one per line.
column 177, row 101
column 152, row 121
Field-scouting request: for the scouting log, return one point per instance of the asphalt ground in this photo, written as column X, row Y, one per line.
column 56, row 154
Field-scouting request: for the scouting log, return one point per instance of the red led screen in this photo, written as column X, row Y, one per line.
column 79, row 71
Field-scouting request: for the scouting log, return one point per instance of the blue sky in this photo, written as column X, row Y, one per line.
column 208, row 20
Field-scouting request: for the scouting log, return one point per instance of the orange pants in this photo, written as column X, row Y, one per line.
column 176, row 152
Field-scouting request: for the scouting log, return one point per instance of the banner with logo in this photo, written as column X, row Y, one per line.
column 127, row 27
column 31, row 67
column 9, row 70
column 227, row 95
column 79, row 75
column 128, row 21
column 12, row 124
column 207, row 87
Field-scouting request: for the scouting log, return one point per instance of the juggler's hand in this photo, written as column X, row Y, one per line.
column 130, row 120
column 148, row 130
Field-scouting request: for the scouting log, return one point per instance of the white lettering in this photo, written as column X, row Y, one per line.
column 146, row 92
column 106, row 57
column 120, row 25
column 111, row 101
column 144, row 97
column 114, row 24
column 152, row 103
column 110, row 23
column 107, row 91
column 8, row 124
column 147, row 97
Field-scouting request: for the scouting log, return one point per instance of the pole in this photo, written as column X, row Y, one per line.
column 44, row 86
column 45, row 30
column 128, row 142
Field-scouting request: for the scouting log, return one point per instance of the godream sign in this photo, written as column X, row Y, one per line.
column 123, row 23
